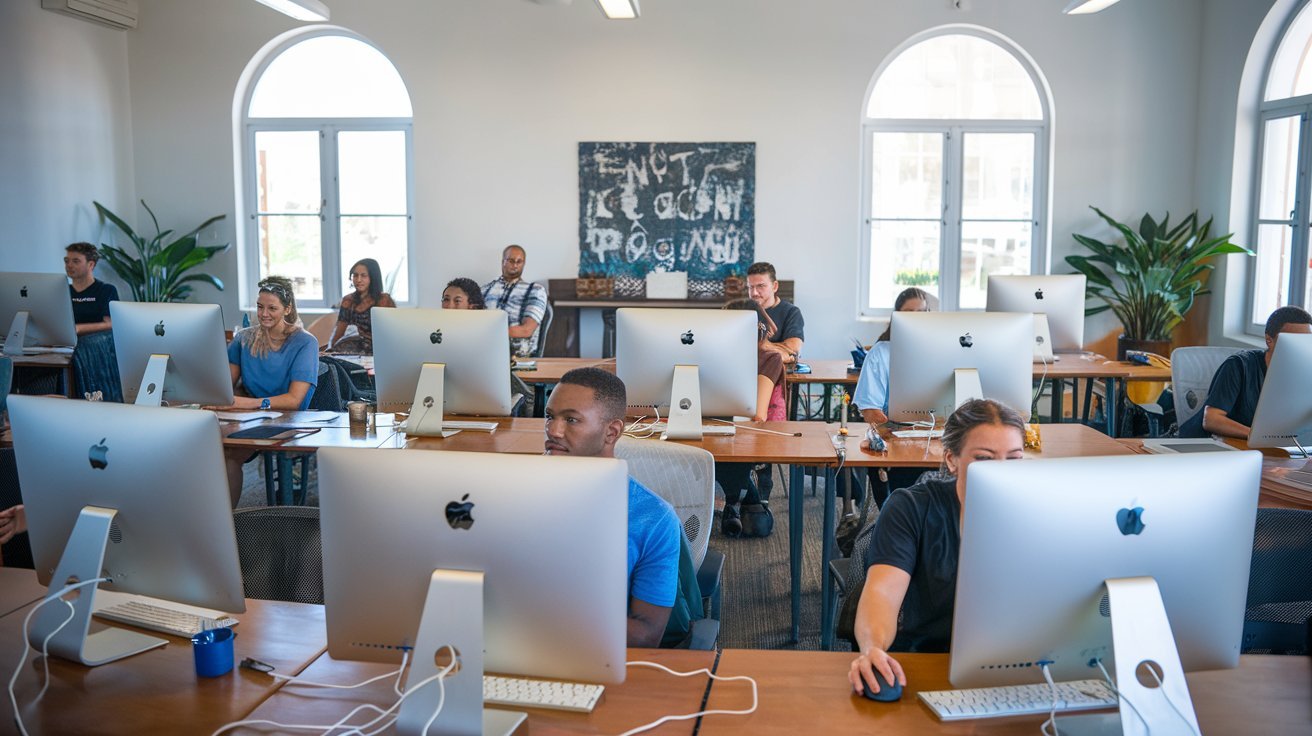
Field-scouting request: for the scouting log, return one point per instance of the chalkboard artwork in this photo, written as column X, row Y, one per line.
column 666, row 207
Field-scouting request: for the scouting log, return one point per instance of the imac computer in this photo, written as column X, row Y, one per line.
column 1134, row 562
column 939, row 360
column 38, row 311
column 132, row 493
column 1283, row 417
column 1057, row 303
column 171, row 353
column 697, row 362
column 517, row 578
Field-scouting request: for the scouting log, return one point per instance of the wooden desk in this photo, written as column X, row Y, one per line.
column 548, row 373
column 802, row 692
column 62, row 362
column 1275, row 491
column 156, row 691
column 646, row 695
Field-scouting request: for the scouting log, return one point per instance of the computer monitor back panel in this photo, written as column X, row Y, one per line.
column 927, row 347
column 721, row 343
column 161, row 469
column 191, row 335
column 1059, row 297
column 1039, row 537
column 549, row 533
column 45, row 297
column 1283, row 417
column 474, row 344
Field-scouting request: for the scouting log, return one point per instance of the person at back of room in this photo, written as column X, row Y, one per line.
column 90, row 295
column 367, row 280
column 524, row 302
column 786, row 338
column 462, row 293
column 1237, row 384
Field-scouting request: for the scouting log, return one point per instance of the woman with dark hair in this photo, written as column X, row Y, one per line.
column 462, row 293
column 367, row 279
column 871, row 394
column 912, row 559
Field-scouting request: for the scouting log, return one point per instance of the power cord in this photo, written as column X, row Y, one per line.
column 1171, row 703
column 698, row 714
column 1108, row 679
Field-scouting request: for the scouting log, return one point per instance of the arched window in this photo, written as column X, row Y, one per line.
column 1280, row 227
column 326, row 147
column 955, row 147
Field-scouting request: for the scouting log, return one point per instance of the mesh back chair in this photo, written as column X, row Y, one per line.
column 281, row 553
column 287, row 474
column 17, row 552
column 1191, row 377
column 542, row 331
column 1279, row 609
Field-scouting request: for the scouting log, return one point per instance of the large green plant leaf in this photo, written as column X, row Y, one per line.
column 159, row 269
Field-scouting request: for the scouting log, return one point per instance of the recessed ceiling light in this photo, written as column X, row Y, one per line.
column 1084, row 7
column 619, row 9
column 308, row 10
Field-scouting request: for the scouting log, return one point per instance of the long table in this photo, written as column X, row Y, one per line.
column 1277, row 489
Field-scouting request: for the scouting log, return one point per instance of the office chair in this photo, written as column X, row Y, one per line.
column 17, row 552
column 1191, row 377
column 1279, row 609
column 541, row 348
column 281, row 553
column 280, row 468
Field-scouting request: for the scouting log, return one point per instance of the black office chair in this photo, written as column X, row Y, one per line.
column 281, row 553
column 291, row 471
column 542, row 331
column 17, row 552
column 1278, row 617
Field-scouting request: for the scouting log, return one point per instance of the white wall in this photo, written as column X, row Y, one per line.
column 503, row 91
column 65, row 133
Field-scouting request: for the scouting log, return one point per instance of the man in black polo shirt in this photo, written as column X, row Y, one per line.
column 91, row 296
column 763, row 288
column 1232, row 397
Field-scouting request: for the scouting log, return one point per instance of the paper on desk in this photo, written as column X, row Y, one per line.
column 319, row 416
column 246, row 416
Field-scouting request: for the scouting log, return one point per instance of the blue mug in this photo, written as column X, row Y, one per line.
column 212, row 650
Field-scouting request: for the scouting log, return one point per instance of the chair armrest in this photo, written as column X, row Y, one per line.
column 708, row 575
column 703, row 634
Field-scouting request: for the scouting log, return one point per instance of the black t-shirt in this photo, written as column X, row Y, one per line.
column 92, row 305
column 919, row 532
column 1234, row 390
column 788, row 319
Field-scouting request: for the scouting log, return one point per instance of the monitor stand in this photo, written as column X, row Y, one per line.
column 967, row 386
column 17, row 335
column 1042, row 339
column 1141, row 638
column 425, row 418
column 452, row 616
column 685, row 419
column 150, row 392
column 83, row 559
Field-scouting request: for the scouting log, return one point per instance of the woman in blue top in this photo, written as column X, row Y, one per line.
column 274, row 363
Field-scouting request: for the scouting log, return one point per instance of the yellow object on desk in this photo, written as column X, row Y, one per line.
column 1033, row 440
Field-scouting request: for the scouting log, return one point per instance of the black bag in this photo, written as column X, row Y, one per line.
column 757, row 519
column 852, row 523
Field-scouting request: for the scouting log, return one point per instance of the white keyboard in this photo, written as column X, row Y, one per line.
column 917, row 434
column 450, row 426
column 1018, row 700
column 41, row 350
column 708, row 430
column 161, row 619
column 516, row 692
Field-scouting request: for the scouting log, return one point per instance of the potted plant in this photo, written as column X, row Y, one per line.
column 160, row 272
column 1151, row 279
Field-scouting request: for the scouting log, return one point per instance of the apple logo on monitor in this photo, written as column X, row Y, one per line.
column 436, row 337
column 98, row 455
column 1038, row 294
column 686, row 338
column 1130, row 521
column 966, row 340
column 460, row 514
column 159, row 328
column 23, row 292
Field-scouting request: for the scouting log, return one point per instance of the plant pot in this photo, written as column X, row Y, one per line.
column 1161, row 347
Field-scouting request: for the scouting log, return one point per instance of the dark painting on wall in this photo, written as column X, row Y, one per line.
column 667, row 207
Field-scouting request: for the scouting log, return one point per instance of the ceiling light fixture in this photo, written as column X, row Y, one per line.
column 307, row 10
column 617, row 9
column 1084, row 7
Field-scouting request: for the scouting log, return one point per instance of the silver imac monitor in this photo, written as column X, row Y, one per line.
column 694, row 362
column 1060, row 299
column 1283, row 417
column 171, row 353
column 938, row 360
column 434, row 362
column 137, row 494
column 37, row 311
column 1120, row 559
column 520, row 578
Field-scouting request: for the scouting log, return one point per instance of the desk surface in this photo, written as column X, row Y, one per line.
column 1275, row 491
column 1070, row 365
column 155, row 691
column 798, row 690
column 1058, row 440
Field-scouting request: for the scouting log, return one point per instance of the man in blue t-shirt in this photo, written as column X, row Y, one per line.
column 585, row 418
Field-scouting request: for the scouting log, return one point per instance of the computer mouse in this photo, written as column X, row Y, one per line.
column 888, row 692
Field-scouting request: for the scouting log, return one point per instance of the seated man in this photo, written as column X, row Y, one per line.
column 524, row 302
column 1232, row 397
column 585, row 418
column 91, row 296
column 763, row 288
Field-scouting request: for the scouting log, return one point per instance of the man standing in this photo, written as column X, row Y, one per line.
column 585, row 418
column 524, row 302
column 91, row 296
column 763, row 288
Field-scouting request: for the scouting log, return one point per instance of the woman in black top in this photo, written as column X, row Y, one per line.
column 367, row 278
column 913, row 553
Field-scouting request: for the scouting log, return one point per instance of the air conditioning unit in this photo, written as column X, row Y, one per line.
column 121, row 14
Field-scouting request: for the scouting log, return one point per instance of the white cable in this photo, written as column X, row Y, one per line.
column 1171, row 703
column 1108, row 679
column 1052, row 714
column 698, row 714
column 294, row 680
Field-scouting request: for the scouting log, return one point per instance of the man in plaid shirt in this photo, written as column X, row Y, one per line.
column 524, row 302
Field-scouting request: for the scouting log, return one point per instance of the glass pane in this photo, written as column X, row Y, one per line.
column 907, row 175
column 991, row 248
column 998, row 181
column 955, row 76
column 287, row 171
column 1279, row 168
column 330, row 77
column 290, row 246
column 371, row 172
column 1291, row 73
column 386, row 240
column 1271, row 286
column 903, row 254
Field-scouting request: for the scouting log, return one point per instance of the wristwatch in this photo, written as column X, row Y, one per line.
column 264, row 404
